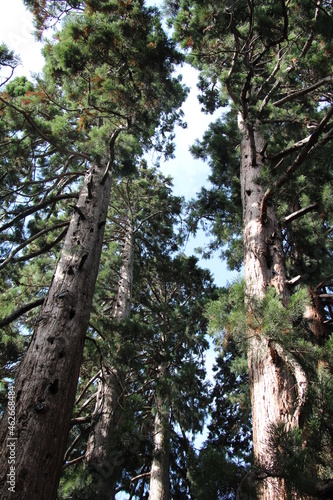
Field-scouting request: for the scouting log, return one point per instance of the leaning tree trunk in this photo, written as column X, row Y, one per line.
column 277, row 381
column 46, row 380
column 159, row 485
column 101, row 457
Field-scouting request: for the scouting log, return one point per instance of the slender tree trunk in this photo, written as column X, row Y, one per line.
column 123, row 302
column 159, row 485
column 277, row 382
column 100, row 455
column 47, row 378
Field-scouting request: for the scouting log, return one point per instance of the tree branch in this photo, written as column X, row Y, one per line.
column 309, row 41
column 20, row 311
column 86, row 387
column 112, row 141
column 309, row 148
column 300, row 93
column 300, row 213
column 81, row 420
column 35, row 208
column 70, row 448
column 42, row 134
column 29, row 240
column 42, row 250
column 72, row 462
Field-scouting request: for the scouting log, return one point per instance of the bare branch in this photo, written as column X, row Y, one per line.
column 295, row 280
column 86, row 387
column 140, row 476
column 112, row 141
column 69, row 450
column 80, row 420
column 72, row 462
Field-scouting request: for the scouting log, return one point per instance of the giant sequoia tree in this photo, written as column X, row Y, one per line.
column 270, row 61
column 107, row 72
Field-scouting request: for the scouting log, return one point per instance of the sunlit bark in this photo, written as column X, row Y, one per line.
column 47, row 378
column 277, row 382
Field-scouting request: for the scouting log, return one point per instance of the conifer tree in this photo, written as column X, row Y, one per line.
column 263, row 59
column 108, row 71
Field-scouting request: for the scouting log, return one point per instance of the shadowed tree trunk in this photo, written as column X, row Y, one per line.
column 107, row 413
column 277, row 381
column 46, row 380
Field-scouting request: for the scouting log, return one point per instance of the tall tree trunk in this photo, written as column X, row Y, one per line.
column 101, row 458
column 46, row 380
column 159, row 485
column 277, row 382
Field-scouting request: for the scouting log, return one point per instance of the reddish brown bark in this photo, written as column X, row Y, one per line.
column 46, row 380
column 277, row 382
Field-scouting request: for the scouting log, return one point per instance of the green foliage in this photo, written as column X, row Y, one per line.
column 213, row 476
column 227, row 315
column 110, row 67
column 306, row 463
column 19, row 87
column 6, row 56
column 115, row 63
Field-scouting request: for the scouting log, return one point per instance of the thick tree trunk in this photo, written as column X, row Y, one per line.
column 159, row 485
column 101, row 458
column 277, row 381
column 47, row 378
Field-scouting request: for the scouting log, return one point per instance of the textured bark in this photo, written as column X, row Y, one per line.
column 46, row 380
column 123, row 302
column 99, row 454
column 315, row 315
column 277, row 381
column 159, row 485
